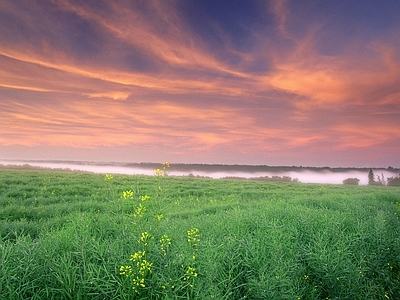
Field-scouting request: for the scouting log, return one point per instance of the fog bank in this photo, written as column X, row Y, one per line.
column 303, row 175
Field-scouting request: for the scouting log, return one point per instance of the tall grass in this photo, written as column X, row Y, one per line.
column 67, row 235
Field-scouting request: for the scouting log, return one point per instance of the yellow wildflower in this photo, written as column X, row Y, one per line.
column 145, row 197
column 108, row 177
column 127, row 194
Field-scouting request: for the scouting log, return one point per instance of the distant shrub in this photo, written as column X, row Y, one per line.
column 351, row 181
column 276, row 178
column 393, row 181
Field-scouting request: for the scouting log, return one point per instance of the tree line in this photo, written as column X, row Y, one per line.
column 379, row 180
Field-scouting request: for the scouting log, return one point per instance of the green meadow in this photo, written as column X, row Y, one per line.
column 75, row 235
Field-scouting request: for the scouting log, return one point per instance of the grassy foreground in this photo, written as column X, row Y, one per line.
column 67, row 235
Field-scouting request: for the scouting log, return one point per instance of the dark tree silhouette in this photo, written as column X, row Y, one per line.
column 371, row 177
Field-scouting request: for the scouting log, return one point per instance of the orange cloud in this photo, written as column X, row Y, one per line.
column 115, row 95
column 327, row 82
column 97, row 123
column 365, row 135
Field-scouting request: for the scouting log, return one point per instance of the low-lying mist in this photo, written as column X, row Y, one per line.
column 305, row 176
column 301, row 174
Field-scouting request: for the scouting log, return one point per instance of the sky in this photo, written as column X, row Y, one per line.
column 280, row 83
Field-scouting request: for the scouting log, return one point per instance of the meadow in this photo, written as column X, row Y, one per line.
column 76, row 235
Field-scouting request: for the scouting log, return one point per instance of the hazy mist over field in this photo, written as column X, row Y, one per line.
column 304, row 175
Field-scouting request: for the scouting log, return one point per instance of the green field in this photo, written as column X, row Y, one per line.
column 71, row 235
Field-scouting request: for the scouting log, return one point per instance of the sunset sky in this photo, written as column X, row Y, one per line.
column 311, row 83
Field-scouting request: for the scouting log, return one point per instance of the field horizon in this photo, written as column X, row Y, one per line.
column 305, row 174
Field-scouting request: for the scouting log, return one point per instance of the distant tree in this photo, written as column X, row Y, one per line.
column 371, row 177
column 381, row 180
column 351, row 181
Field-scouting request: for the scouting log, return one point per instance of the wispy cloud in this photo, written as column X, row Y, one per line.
column 281, row 11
